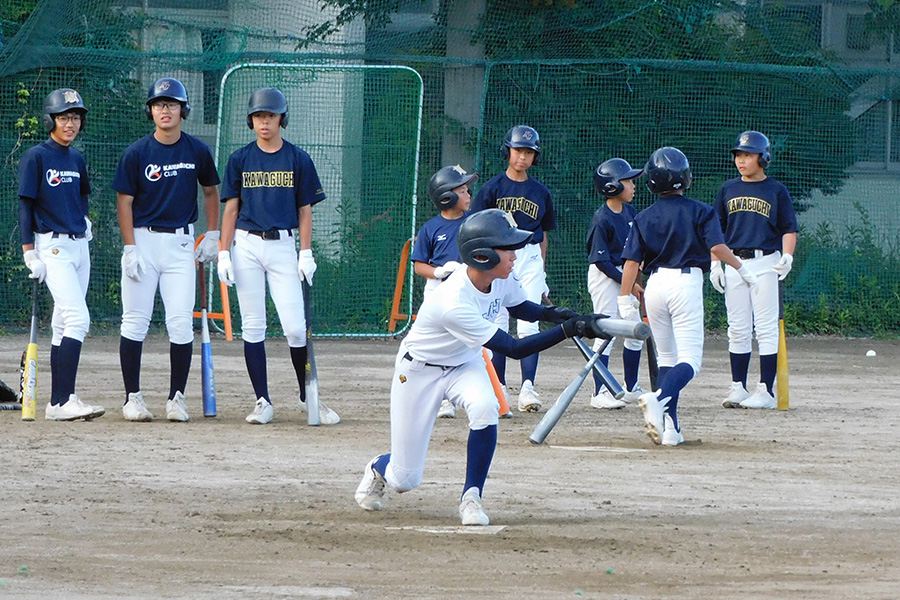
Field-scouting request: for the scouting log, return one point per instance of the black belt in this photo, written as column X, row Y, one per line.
column 270, row 234
column 410, row 359
column 683, row 269
column 156, row 229
column 71, row 236
column 746, row 253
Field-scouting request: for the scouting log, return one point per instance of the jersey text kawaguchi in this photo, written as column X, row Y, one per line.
column 749, row 204
column 269, row 179
column 521, row 204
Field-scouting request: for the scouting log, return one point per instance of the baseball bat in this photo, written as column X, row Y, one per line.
column 208, row 378
column 29, row 384
column 10, row 406
column 552, row 416
column 782, row 374
column 312, row 378
column 614, row 387
column 621, row 328
column 495, row 383
column 652, row 358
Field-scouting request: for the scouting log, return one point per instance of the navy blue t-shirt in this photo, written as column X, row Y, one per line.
column 606, row 239
column 755, row 214
column 271, row 187
column 53, row 190
column 163, row 179
column 674, row 232
column 527, row 201
column 436, row 242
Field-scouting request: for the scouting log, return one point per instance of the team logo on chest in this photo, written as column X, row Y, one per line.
column 153, row 172
column 492, row 311
column 54, row 177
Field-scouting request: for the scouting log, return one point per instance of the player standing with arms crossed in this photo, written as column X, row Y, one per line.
column 442, row 358
column 759, row 222
column 528, row 201
column 674, row 239
column 270, row 188
column 55, row 231
column 156, row 184
column 435, row 255
column 614, row 180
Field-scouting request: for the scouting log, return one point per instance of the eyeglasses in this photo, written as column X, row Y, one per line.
column 169, row 105
column 66, row 119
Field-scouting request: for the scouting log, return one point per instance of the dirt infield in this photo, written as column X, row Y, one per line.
column 797, row 504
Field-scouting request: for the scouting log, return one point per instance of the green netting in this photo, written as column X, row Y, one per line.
column 596, row 79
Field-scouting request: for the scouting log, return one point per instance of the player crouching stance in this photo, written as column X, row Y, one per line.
column 442, row 358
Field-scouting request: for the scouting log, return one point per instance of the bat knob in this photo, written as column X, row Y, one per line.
column 642, row 331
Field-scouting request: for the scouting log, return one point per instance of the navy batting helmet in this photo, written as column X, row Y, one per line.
column 168, row 88
column 609, row 176
column 267, row 100
column 442, row 184
column 521, row 136
column 60, row 101
column 754, row 142
column 485, row 232
column 668, row 171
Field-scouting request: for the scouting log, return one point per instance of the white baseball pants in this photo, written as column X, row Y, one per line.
column 604, row 292
column 748, row 311
column 68, row 273
column 529, row 270
column 674, row 302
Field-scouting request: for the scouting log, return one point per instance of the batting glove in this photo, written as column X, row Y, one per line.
column 749, row 278
column 581, row 326
column 444, row 271
column 133, row 263
column 208, row 249
column 717, row 276
column 784, row 266
column 89, row 232
column 628, row 307
column 558, row 314
column 306, row 266
column 225, row 269
column 36, row 265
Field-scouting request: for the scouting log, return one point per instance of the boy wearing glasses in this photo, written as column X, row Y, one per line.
column 156, row 184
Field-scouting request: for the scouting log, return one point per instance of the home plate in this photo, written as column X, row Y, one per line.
column 453, row 529
column 612, row 449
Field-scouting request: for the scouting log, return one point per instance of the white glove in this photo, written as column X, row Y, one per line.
column 444, row 271
column 37, row 266
column 89, row 232
column 628, row 307
column 225, row 269
column 306, row 266
column 208, row 248
column 717, row 276
column 749, row 278
column 784, row 266
column 133, row 263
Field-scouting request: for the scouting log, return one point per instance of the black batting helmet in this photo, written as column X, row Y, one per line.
column 485, row 232
column 521, row 136
column 60, row 101
column 442, row 184
column 168, row 87
column 668, row 171
column 610, row 174
column 267, row 100
column 754, row 142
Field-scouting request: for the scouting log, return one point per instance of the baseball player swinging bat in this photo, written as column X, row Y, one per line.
column 312, row 379
column 29, row 375
column 208, row 379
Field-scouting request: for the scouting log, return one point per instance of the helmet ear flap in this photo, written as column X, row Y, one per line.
column 764, row 159
column 613, row 188
column 504, row 151
column 449, row 199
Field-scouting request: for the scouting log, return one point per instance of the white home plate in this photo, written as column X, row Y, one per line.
column 454, row 529
column 612, row 449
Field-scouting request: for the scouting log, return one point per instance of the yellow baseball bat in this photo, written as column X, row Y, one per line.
column 782, row 377
column 29, row 379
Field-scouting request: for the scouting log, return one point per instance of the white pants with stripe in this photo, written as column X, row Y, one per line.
column 675, row 310
column 68, row 273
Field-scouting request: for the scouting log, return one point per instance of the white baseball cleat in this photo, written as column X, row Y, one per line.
column 326, row 415
column 136, row 409
column 447, row 411
column 471, row 511
column 262, row 412
column 528, row 398
column 634, row 395
column 760, row 399
column 176, row 410
column 671, row 436
column 737, row 395
column 653, row 415
column 72, row 410
column 605, row 400
column 370, row 492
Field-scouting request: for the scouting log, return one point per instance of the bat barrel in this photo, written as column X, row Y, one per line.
column 621, row 328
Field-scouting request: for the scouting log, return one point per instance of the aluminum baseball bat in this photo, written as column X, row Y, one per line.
column 555, row 412
column 622, row 328
column 208, row 378
column 29, row 382
column 614, row 387
column 313, row 416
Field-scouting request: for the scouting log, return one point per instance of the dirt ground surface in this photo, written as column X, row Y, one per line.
column 795, row 504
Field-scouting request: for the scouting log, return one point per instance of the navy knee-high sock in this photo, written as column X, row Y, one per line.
column 740, row 365
column 676, row 379
column 298, row 358
column 255, row 357
column 180, row 366
column 632, row 362
column 381, row 463
column 661, row 376
column 598, row 383
column 130, row 358
column 499, row 362
column 54, row 376
column 768, row 368
column 529, row 367
column 480, row 453
column 68, row 355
